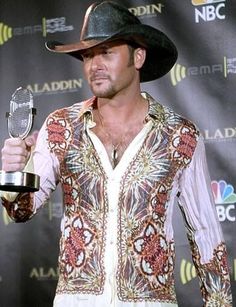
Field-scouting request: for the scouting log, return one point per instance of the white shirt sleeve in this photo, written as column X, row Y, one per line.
column 204, row 230
column 46, row 165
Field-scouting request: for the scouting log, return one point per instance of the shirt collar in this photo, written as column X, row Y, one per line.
column 155, row 110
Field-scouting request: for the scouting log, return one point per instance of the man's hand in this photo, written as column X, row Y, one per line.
column 16, row 152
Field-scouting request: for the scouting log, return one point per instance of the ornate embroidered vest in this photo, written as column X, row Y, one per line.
column 145, row 256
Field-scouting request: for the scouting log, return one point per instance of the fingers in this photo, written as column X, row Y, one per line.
column 30, row 141
column 15, row 154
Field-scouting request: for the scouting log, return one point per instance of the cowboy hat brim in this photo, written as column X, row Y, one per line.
column 161, row 52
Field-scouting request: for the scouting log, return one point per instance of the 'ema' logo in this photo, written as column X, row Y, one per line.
column 5, row 33
column 187, row 271
column 226, row 67
column 225, row 200
column 177, row 73
column 47, row 26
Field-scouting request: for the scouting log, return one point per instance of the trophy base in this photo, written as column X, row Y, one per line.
column 19, row 182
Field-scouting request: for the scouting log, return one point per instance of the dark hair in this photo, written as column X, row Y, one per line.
column 132, row 46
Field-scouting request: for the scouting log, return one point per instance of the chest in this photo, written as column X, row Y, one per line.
column 117, row 139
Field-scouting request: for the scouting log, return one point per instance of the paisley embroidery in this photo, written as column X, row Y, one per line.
column 146, row 257
column 70, row 193
column 58, row 133
column 184, row 141
column 158, row 202
column 81, row 248
column 152, row 247
column 77, row 238
column 215, row 284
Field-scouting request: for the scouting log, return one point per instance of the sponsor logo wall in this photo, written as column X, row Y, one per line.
column 201, row 87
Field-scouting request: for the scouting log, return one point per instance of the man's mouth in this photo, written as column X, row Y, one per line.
column 98, row 77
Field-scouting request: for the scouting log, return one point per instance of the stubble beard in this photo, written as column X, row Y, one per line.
column 110, row 91
column 107, row 92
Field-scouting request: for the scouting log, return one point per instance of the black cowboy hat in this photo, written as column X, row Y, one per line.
column 109, row 21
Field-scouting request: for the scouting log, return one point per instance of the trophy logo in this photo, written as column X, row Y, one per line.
column 20, row 122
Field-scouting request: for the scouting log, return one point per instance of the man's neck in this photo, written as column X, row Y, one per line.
column 122, row 108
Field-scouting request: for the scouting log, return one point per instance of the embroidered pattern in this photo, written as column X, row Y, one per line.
column 152, row 249
column 184, row 141
column 215, row 282
column 58, row 133
column 21, row 209
column 83, row 241
column 77, row 239
column 145, row 256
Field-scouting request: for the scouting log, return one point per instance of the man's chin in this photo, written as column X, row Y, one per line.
column 103, row 93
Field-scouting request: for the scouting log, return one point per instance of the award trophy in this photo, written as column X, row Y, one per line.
column 20, row 122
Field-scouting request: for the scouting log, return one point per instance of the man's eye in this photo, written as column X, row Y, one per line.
column 106, row 51
column 86, row 56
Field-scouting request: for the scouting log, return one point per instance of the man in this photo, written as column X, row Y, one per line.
column 122, row 159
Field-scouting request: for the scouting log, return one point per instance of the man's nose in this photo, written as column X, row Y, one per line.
column 96, row 62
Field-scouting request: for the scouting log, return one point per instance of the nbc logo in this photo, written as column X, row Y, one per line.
column 225, row 200
column 208, row 11
column 5, row 33
column 202, row 2
column 187, row 271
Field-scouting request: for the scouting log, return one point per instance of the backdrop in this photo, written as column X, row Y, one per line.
column 201, row 87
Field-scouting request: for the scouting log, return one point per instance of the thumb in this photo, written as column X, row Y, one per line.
column 30, row 141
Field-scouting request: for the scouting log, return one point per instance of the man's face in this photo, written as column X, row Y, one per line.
column 109, row 68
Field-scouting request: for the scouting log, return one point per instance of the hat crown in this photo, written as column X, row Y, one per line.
column 105, row 19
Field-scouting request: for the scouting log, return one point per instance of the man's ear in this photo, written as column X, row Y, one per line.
column 139, row 57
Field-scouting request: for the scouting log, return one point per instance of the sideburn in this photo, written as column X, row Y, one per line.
column 131, row 55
